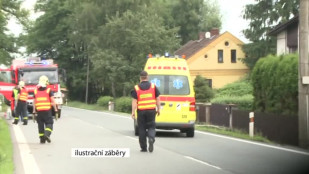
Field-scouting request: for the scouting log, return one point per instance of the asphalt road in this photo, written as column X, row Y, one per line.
column 173, row 151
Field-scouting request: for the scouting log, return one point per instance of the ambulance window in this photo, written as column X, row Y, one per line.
column 171, row 84
column 178, row 85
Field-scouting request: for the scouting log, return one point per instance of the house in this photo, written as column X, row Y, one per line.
column 216, row 57
column 287, row 36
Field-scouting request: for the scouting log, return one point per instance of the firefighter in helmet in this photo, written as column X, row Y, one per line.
column 21, row 108
column 43, row 103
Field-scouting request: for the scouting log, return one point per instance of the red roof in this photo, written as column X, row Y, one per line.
column 192, row 47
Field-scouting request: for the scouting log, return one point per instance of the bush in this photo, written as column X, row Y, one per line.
column 123, row 104
column 239, row 93
column 103, row 101
column 275, row 81
column 244, row 102
column 203, row 93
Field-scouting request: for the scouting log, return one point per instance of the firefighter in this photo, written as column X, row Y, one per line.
column 21, row 107
column 14, row 100
column 146, row 100
column 43, row 103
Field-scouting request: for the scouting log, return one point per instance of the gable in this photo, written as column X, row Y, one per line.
column 210, row 51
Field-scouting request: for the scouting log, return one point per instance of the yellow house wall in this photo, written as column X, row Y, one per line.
column 220, row 73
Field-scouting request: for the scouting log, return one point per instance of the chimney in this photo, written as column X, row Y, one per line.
column 201, row 35
column 214, row 32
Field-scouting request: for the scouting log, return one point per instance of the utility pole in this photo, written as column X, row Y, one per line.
column 87, row 79
column 303, row 76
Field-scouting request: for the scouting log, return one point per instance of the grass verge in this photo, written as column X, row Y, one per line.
column 6, row 148
column 231, row 132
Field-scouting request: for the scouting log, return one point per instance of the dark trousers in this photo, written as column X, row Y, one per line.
column 146, row 121
column 21, row 110
column 45, row 123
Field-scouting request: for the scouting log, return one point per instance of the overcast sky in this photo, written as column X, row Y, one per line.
column 231, row 11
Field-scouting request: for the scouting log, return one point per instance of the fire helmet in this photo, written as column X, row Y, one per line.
column 43, row 81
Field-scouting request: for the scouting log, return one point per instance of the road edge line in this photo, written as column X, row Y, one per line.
column 255, row 143
column 29, row 164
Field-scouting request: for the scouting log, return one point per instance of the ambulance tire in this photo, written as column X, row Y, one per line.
column 190, row 132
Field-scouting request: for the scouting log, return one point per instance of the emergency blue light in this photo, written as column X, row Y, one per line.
column 44, row 62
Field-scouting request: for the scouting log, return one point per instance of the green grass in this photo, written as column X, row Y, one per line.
column 6, row 149
column 231, row 132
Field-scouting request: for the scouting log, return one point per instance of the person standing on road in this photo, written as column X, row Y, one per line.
column 146, row 100
column 21, row 108
column 14, row 101
column 43, row 102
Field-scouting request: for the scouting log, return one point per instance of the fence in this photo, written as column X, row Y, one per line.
column 279, row 128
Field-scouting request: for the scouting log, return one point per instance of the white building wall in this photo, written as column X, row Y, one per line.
column 281, row 43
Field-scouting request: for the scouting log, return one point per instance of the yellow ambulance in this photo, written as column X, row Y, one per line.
column 172, row 77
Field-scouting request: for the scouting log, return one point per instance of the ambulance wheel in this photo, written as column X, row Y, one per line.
column 190, row 132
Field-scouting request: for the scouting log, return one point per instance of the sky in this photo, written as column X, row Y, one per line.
column 231, row 11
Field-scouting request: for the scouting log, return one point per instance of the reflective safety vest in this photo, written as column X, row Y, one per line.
column 42, row 100
column 15, row 91
column 146, row 99
column 23, row 96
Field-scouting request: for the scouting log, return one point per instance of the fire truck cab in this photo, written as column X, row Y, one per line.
column 29, row 70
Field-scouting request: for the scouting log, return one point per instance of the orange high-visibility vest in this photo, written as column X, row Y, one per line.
column 42, row 100
column 146, row 99
column 23, row 96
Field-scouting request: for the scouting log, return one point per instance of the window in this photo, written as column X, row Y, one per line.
column 31, row 76
column 220, row 56
column 233, row 56
column 171, row 84
column 209, row 82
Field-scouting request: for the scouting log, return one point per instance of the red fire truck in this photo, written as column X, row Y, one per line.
column 29, row 70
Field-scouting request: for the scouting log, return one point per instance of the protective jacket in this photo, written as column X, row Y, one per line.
column 146, row 99
column 42, row 100
column 23, row 96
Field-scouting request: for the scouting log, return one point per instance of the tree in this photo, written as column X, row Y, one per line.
column 264, row 15
column 8, row 43
column 193, row 16
column 124, row 42
column 203, row 93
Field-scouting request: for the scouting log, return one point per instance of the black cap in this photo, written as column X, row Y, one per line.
column 143, row 74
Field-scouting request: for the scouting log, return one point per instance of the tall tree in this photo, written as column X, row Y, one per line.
column 8, row 43
column 128, row 39
column 193, row 16
column 264, row 15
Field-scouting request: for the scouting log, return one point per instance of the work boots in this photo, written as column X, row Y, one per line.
column 25, row 122
column 42, row 140
column 15, row 122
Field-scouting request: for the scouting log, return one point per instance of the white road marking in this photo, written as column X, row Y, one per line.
column 221, row 136
column 29, row 164
column 107, row 113
column 132, row 138
column 202, row 162
column 255, row 143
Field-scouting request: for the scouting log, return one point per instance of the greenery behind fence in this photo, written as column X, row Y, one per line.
column 275, row 81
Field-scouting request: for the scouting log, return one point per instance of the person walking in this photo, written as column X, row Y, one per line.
column 21, row 108
column 147, row 103
column 43, row 103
